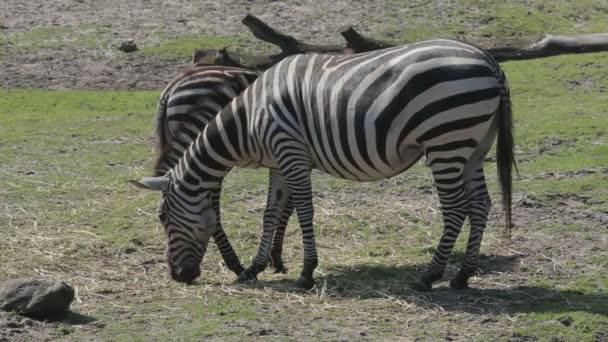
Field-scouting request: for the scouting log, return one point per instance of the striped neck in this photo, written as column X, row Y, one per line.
column 211, row 155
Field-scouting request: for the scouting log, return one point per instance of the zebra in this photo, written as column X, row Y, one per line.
column 362, row 117
column 184, row 107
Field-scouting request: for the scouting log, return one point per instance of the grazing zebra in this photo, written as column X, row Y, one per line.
column 185, row 106
column 362, row 117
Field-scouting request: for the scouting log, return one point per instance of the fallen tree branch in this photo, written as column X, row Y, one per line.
column 553, row 45
column 288, row 45
column 358, row 43
column 550, row 45
column 235, row 59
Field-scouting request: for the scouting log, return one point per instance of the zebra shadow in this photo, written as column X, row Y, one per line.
column 370, row 281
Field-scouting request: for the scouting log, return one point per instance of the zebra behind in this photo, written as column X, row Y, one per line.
column 362, row 117
column 184, row 108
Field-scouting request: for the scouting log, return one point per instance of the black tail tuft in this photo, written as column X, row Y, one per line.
column 161, row 132
column 504, row 152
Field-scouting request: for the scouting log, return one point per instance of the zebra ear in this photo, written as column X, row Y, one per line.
column 152, row 183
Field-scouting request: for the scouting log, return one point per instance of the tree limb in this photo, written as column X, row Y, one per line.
column 550, row 45
column 358, row 43
column 288, row 44
column 553, row 45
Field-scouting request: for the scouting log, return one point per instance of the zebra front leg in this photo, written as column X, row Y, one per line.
column 221, row 240
column 448, row 182
column 479, row 208
column 228, row 254
column 276, row 252
column 278, row 195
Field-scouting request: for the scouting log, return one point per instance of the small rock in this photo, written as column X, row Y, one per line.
column 128, row 45
column 38, row 298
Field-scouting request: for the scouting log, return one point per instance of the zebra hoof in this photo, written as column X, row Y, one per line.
column 246, row 277
column 421, row 286
column 459, row 284
column 280, row 268
column 237, row 269
column 305, row 283
column 277, row 263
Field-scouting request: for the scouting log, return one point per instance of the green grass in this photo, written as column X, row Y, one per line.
column 518, row 18
column 516, row 22
column 83, row 39
column 73, row 40
column 66, row 210
column 182, row 47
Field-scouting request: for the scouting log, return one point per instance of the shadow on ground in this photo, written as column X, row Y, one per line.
column 74, row 318
column 380, row 281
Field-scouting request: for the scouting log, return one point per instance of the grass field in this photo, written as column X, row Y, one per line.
column 67, row 212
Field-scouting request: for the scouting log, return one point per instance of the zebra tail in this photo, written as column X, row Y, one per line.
column 504, row 152
column 161, row 131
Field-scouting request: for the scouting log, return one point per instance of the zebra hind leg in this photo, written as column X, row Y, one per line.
column 298, row 178
column 276, row 251
column 479, row 208
column 449, row 185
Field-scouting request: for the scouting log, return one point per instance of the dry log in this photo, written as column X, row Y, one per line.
column 553, row 45
column 229, row 58
column 358, row 43
column 550, row 45
column 288, row 45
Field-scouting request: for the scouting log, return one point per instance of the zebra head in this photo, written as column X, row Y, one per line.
column 189, row 220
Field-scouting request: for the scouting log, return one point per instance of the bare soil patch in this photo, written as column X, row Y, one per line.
column 101, row 65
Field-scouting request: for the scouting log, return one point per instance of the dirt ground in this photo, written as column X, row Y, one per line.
column 102, row 66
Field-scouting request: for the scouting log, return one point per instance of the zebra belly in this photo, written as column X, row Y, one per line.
column 398, row 163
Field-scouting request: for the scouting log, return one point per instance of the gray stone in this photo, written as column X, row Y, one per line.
column 128, row 45
column 38, row 298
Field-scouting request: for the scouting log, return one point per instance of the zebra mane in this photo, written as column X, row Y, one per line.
column 166, row 140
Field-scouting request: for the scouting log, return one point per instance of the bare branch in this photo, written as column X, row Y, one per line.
column 550, row 45
column 358, row 43
column 553, row 45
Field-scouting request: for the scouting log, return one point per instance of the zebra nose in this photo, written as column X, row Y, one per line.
column 187, row 272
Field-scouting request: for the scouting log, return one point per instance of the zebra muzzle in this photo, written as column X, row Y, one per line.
column 185, row 273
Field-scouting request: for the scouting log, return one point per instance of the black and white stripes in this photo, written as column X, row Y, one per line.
column 362, row 117
column 184, row 108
